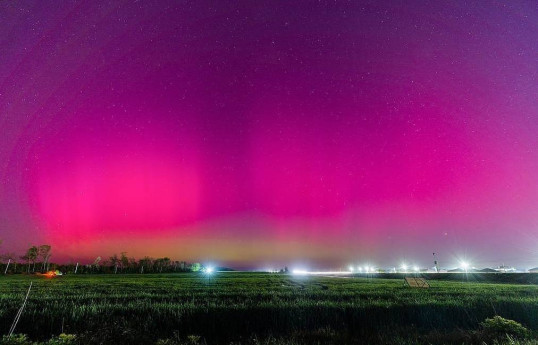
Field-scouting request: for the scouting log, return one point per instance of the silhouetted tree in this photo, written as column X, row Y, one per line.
column 44, row 253
column 95, row 264
column 132, row 264
column 31, row 254
column 145, row 263
column 114, row 262
column 124, row 260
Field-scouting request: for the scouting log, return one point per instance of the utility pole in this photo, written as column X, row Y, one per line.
column 7, row 266
column 435, row 263
column 76, row 268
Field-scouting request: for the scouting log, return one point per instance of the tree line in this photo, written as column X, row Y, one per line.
column 37, row 260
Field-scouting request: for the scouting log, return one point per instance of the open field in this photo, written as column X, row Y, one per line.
column 239, row 306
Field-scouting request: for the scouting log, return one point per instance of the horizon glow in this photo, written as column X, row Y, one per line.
column 275, row 133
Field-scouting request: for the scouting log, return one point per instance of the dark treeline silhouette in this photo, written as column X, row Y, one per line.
column 37, row 260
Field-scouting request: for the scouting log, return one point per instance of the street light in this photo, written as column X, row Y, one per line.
column 464, row 265
column 208, row 272
column 298, row 272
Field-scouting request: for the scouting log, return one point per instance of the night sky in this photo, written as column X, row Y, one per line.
column 264, row 133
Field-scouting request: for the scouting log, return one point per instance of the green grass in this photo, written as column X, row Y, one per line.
column 143, row 308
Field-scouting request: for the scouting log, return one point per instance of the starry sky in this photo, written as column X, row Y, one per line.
column 256, row 133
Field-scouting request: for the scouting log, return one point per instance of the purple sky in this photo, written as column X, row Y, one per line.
column 266, row 133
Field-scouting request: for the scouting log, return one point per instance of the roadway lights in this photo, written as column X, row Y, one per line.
column 464, row 265
column 208, row 271
column 350, row 268
column 404, row 268
column 415, row 268
column 299, row 272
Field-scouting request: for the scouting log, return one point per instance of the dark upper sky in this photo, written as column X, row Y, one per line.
column 267, row 132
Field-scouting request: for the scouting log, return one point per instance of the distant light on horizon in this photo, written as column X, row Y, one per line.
column 299, row 272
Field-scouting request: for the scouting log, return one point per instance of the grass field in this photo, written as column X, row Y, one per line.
column 259, row 308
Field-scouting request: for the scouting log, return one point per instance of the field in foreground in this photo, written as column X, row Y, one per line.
column 259, row 308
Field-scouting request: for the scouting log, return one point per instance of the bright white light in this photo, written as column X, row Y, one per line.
column 299, row 272
column 322, row 273
column 404, row 267
column 350, row 268
column 464, row 265
column 360, row 269
column 369, row 269
column 415, row 268
column 209, row 270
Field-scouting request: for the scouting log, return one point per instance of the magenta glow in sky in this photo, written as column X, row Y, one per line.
column 278, row 132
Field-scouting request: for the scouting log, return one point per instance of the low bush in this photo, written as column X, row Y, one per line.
column 15, row 339
column 499, row 328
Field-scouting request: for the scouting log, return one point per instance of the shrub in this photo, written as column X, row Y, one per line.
column 15, row 339
column 499, row 327
column 63, row 339
column 178, row 340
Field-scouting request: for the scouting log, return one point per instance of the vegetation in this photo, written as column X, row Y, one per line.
column 498, row 328
column 265, row 308
column 22, row 339
column 39, row 256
